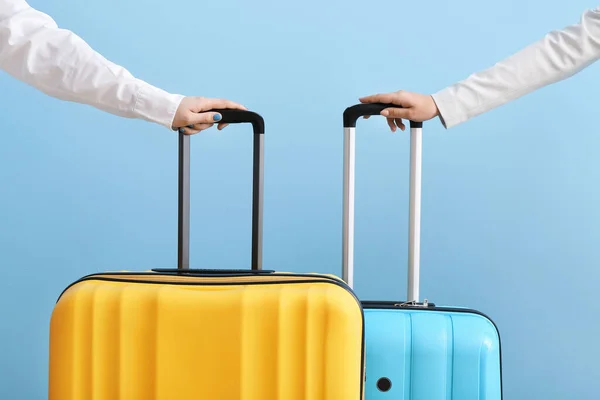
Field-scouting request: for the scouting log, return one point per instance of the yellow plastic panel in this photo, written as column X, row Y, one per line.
column 165, row 341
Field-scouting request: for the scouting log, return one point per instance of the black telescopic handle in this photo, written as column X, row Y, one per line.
column 183, row 240
column 353, row 113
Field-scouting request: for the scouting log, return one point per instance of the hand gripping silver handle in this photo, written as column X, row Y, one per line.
column 351, row 115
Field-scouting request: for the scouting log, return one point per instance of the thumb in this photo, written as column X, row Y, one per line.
column 204, row 118
column 393, row 112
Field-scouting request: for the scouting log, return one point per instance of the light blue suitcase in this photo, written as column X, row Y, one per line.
column 416, row 350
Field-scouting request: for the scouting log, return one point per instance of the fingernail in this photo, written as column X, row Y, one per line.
column 217, row 117
column 385, row 113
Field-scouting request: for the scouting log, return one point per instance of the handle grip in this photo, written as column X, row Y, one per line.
column 230, row 116
column 353, row 113
column 183, row 242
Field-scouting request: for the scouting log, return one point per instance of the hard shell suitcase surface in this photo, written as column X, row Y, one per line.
column 179, row 334
column 416, row 350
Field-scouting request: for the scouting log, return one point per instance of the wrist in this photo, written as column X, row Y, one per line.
column 436, row 110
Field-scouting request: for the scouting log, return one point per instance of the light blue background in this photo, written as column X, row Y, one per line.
column 511, row 222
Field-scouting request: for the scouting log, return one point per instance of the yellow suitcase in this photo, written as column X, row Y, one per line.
column 179, row 334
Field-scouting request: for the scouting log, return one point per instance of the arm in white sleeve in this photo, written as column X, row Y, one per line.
column 559, row 55
column 60, row 64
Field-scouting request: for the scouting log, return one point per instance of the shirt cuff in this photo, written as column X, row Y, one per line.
column 156, row 105
column 450, row 115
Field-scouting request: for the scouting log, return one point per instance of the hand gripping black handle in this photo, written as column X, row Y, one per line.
column 353, row 113
column 240, row 117
column 229, row 116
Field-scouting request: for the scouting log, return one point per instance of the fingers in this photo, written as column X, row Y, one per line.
column 395, row 115
column 399, row 123
column 221, row 103
column 193, row 129
column 200, row 122
column 400, row 98
column 378, row 98
column 201, row 127
column 390, row 122
column 188, row 131
column 395, row 122
column 194, row 114
column 201, row 115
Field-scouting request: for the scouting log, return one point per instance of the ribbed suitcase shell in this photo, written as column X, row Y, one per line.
column 431, row 354
column 144, row 336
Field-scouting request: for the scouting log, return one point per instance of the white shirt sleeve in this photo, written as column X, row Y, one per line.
column 559, row 55
column 59, row 63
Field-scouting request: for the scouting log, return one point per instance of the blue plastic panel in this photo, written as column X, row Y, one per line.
column 432, row 355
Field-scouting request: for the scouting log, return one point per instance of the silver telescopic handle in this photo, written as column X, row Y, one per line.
column 351, row 115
